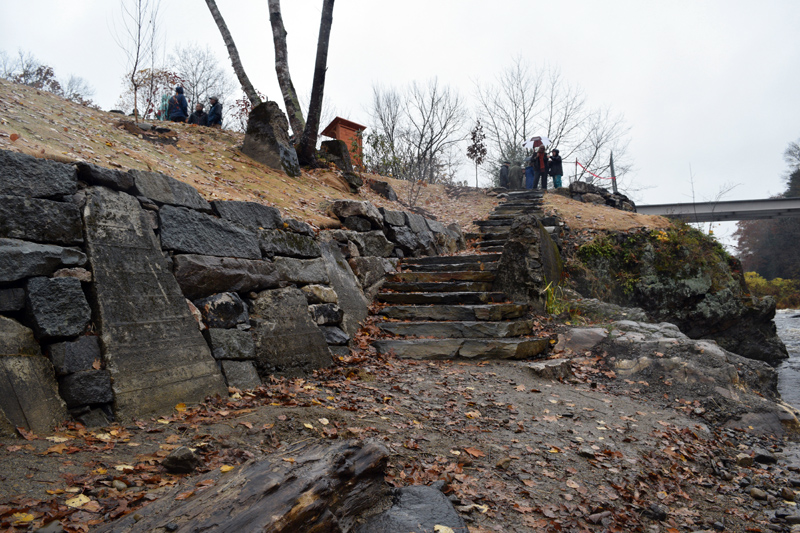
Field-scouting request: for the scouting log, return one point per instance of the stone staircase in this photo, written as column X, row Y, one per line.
column 443, row 307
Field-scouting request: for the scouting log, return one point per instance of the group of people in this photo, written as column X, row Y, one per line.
column 537, row 168
column 178, row 111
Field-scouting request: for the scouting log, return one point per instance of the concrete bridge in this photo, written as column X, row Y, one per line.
column 726, row 211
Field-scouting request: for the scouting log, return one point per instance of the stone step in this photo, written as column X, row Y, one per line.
column 488, row 244
column 487, row 236
column 527, row 194
column 486, row 312
column 520, row 203
column 495, row 229
column 466, row 275
column 503, row 216
column 451, row 259
column 494, row 249
column 441, row 298
column 468, row 348
column 443, row 286
column 461, row 329
column 476, row 266
column 502, row 222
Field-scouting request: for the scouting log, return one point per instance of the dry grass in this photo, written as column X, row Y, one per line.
column 50, row 127
column 578, row 215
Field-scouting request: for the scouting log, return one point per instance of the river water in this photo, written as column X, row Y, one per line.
column 788, row 324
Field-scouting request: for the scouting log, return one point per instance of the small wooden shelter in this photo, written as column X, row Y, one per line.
column 349, row 132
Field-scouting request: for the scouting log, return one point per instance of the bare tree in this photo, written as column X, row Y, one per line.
column 416, row 130
column 136, row 35
column 521, row 103
column 236, row 62
column 290, row 100
column 308, row 141
column 200, row 73
column 78, row 90
column 477, row 149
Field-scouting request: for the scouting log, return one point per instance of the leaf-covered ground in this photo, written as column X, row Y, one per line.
column 518, row 453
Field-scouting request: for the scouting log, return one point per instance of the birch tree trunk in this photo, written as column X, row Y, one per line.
column 293, row 109
column 247, row 87
column 308, row 142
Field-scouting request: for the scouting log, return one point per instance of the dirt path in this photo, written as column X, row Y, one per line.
column 519, row 453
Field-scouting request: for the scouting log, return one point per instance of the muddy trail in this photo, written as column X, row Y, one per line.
column 518, row 451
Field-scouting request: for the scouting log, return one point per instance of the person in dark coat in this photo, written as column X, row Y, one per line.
column 556, row 170
column 215, row 113
column 540, row 164
column 529, row 173
column 504, row 174
column 199, row 116
column 515, row 176
column 178, row 108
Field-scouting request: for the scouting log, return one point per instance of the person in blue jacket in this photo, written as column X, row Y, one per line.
column 215, row 113
column 178, row 108
column 529, row 173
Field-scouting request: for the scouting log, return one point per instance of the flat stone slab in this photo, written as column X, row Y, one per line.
column 35, row 219
column 231, row 344
column 153, row 347
column 448, row 298
column 555, row 369
column 249, row 214
column 444, row 286
column 191, row 232
column 518, row 348
column 466, row 275
column 204, row 275
column 29, row 394
column 459, row 329
column 476, row 266
column 503, row 221
column 285, row 243
column 452, row 259
column 495, row 229
column 303, row 271
column 166, row 190
column 24, row 175
column 23, row 259
column 57, row 307
column 16, row 339
column 348, row 289
column 287, row 341
column 493, row 312
column 241, row 374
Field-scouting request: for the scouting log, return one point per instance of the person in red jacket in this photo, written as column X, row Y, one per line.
column 540, row 166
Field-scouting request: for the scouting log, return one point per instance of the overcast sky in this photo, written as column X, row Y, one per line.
column 709, row 85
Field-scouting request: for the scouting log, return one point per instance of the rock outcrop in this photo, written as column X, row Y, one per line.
column 267, row 139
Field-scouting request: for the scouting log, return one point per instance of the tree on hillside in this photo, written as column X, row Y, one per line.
column 769, row 247
column 236, row 62
column 523, row 102
column 477, row 149
column 25, row 69
column 290, row 100
column 415, row 131
column 154, row 85
column 137, row 34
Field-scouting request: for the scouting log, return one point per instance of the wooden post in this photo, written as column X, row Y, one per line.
column 613, row 175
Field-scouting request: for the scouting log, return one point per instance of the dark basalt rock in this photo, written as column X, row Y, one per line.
column 249, row 214
column 181, row 461
column 57, row 307
column 384, row 189
column 39, row 220
column 334, row 335
column 188, row 231
column 267, row 139
column 107, row 177
column 74, row 356
column 203, row 275
column 231, row 344
column 166, row 190
column 224, row 310
column 87, row 387
column 415, row 508
column 31, row 177
column 287, row 244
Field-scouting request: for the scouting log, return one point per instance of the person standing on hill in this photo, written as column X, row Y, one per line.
column 556, row 170
column 178, row 108
column 199, row 116
column 540, row 164
column 529, row 173
column 515, row 176
column 215, row 113
column 503, row 180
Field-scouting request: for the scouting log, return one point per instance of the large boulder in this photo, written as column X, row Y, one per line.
column 22, row 259
column 336, row 151
column 23, row 175
column 267, row 139
column 529, row 264
column 287, row 341
column 28, row 390
column 166, row 190
column 415, row 508
column 384, row 189
column 347, row 208
column 249, row 214
column 203, row 275
column 107, row 177
column 153, row 348
column 39, row 220
column 57, row 307
column 187, row 231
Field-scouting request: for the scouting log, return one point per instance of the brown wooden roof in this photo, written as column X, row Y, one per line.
column 328, row 131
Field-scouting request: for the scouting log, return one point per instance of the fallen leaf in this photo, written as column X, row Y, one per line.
column 225, row 468
column 442, row 529
column 24, row 518
column 184, row 495
column 14, row 136
column 474, row 452
column 78, row 501
column 181, row 407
